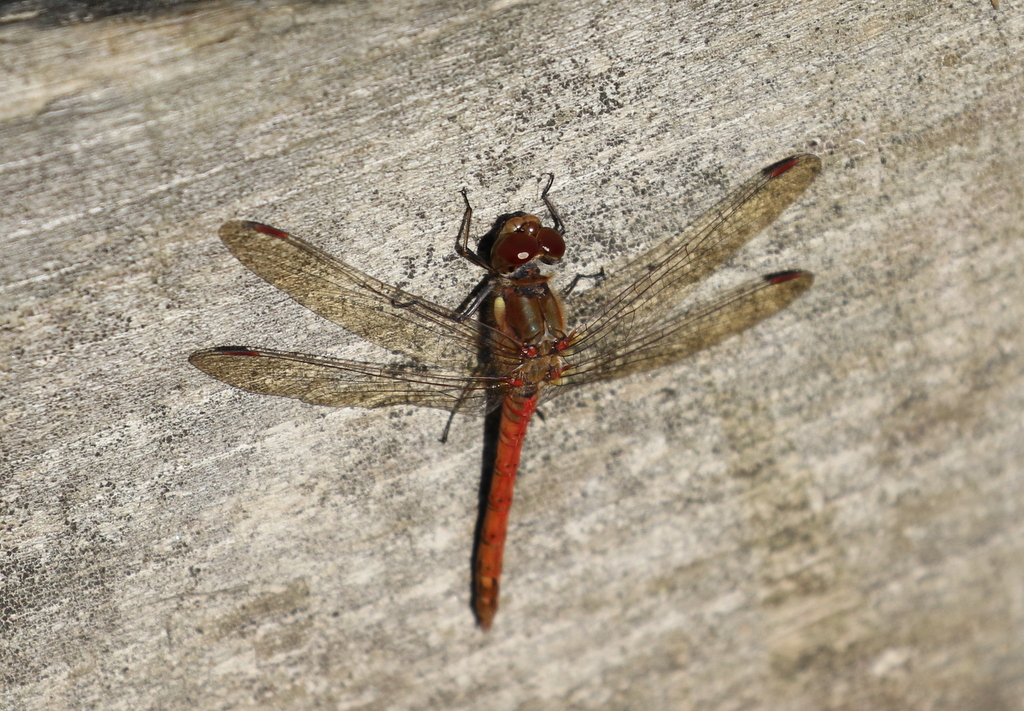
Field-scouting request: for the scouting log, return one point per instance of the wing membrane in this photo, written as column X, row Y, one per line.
column 369, row 308
column 637, row 299
column 699, row 327
column 343, row 383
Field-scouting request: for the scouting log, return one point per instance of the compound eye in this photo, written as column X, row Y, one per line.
column 518, row 248
column 551, row 243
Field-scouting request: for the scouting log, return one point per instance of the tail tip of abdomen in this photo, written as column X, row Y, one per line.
column 485, row 611
column 485, row 603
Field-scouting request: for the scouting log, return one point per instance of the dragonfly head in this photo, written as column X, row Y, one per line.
column 522, row 239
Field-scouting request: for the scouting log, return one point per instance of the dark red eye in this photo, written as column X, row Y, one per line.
column 518, row 248
column 551, row 242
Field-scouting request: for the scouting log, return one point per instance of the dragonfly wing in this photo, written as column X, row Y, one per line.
column 344, row 383
column 633, row 300
column 378, row 312
column 698, row 327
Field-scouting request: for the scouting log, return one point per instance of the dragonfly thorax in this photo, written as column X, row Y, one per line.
column 531, row 314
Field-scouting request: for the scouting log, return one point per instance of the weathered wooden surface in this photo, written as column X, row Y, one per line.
column 823, row 514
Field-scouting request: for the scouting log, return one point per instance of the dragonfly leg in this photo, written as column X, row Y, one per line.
column 555, row 217
column 451, row 415
column 462, row 240
column 576, row 280
column 475, row 302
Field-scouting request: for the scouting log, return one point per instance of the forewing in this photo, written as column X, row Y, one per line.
column 380, row 313
column 677, row 336
column 344, row 383
column 632, row 302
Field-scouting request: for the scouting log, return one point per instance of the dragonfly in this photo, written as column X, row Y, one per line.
column 511, row 345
